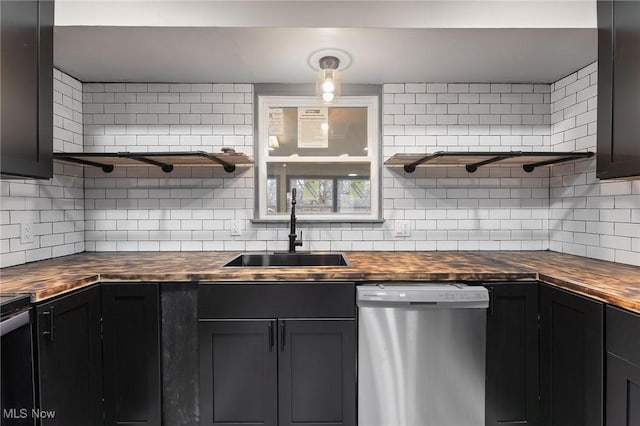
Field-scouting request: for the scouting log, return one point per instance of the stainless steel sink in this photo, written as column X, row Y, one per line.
column 287, row 260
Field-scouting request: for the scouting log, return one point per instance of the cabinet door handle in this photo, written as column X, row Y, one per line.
column 50, row 332
column 282, row 332
column 491, row 300
column 271, row 339
column 52, row 323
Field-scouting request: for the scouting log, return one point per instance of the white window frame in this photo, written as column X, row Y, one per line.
column 372, row 157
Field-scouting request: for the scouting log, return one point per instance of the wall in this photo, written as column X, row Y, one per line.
column 450, row 209
column 190, row 209
column 55, row 207
column 588, row 217
column 564, row 208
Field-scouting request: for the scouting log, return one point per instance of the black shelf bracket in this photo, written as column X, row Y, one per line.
column 574, row 156
column 471, row 168
column 167, row 168
column 410, row 168
column 228, row 167
column 107, row 168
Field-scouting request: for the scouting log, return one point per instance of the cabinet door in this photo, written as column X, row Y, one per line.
column 512, row 354
column 623, row 392
column 605, row 87
column 26, row 109
column 623, row 367
column 44, row 167
column 618, row 88
column 131, row 351
column 70, row 359
column 571, row 364
column 317, row 372
column 238, row 373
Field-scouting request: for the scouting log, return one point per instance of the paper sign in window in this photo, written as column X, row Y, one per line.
column 275, row 121
column 313, row 127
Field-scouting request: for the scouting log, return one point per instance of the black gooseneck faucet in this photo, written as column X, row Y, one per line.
column 293, row 237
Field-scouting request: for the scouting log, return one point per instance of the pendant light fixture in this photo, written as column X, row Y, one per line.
column 328, row 83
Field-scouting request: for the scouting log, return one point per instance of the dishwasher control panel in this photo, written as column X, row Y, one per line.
column 422, row 293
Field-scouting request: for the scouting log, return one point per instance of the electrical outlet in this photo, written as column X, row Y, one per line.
column 403, row 228
column 235, row 229
column 26, row 233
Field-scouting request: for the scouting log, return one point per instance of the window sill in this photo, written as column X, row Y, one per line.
column 337, row 220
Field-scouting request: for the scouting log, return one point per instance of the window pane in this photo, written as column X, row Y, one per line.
column 321, row 188
column 272, row 195
column 346, row 133
column 312, row 195
column 354, row 195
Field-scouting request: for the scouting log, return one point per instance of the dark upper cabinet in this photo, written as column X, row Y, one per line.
column 131, row 353
column 571, row 359
column 26, row 92
column 238, row 370
column 623, row 368
column 618, row 89
column 512, row 355
column 317, row 372
column 70, row 359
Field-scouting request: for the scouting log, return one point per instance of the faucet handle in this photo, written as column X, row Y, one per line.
column 299, row 241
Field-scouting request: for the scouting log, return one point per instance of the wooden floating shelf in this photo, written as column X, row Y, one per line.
column 165, row 160
column 473, row 160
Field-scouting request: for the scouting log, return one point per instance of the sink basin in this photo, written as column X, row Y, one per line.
column 286, row 260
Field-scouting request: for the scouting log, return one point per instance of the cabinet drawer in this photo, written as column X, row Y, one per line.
column 623, row 334
column 277, row 300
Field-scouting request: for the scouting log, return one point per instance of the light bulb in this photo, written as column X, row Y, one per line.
column 328, row 86
column 327, row 97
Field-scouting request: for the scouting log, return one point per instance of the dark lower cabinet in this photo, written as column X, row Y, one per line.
column 623, row 392
column 238, row 373
column 512, row 354
column 70, row 359
column 131, row 350
column 277, row 372
column 571, row 359
column 317, row 372
column 98, row 356
column 260, row 366
column 623, row 368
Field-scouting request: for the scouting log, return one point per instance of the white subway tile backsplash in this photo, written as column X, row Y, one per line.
column 577, row 197
column 54, row 207
column 413, row 88
column 566, row 209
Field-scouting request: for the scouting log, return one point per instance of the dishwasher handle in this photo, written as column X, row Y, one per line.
column 14, row 322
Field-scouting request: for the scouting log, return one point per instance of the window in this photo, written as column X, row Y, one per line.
column 330, row 154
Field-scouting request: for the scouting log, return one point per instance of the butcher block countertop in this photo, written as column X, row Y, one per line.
column 609, row 282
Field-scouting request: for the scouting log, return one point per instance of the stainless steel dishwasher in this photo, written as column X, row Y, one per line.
column 421, row 355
